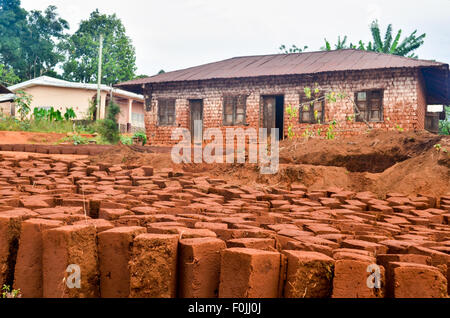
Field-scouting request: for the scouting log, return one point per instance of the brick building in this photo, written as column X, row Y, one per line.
column 381, row 91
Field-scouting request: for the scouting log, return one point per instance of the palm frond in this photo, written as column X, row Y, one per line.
column 375, row 29
column 387, row 39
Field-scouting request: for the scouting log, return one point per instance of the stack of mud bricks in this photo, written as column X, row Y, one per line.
column 129, row 231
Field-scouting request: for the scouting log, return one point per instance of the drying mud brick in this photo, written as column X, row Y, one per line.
column 249, row 273
column 153, row 266
column 309, row 275
column 199, row 267
column 10, row 227
column 114, row 253
column 350, row 280
column 411, row 280
column 28, row 271
column 70, row 245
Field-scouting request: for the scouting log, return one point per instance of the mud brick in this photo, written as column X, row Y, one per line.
column 99, row 224
column 403, row 208
column 113, row 214
column 70, row 245
column 199, row 267
column 114, row 253
column 249, row 273
column 10, row 227
column 397, row 247
column 28, row 269
column 437, row 258
column 309, row 275
column 153, row 266
column 350, row 280
column 298, row 187
column 266, row 244
column 381, row 208
column 322, row 229
column 365, row 245
column 352, row 255
column 398, row 201
column 37, row 202
column 331, row 203
column 386, row 259
column 432, row 200
column 409, row 280
column 211, row 226
column 306, row 246
column 61, row 209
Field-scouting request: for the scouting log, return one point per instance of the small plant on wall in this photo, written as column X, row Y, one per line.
column 292, row 115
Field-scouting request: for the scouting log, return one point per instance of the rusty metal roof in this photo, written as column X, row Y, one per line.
column 288, row 64
column 4, row 90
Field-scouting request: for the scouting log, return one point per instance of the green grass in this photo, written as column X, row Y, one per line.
column 44, row 126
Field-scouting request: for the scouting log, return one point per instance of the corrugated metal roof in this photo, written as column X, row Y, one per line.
column 288, row 64
column 7, row 98
column 4, row 90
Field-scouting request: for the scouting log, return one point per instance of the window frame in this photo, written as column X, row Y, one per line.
column 369, row 100
column 164, row 102
column 312, row 120
column 235, row 107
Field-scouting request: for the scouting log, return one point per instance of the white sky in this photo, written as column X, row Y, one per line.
column 176, row 34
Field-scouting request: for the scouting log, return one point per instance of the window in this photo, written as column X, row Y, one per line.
column 234, row 109
column 370, row 104
column 312, row 110
column 166, row 112
column 137, row 119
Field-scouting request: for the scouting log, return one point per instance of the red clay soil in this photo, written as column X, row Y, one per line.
column 21, row 137
column 380, row 162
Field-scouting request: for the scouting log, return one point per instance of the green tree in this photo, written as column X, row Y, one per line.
column 119, row 57
column 45, row 30
column 393, row 45
column 13, row 27
column 293, row 49
column 23, row 103
column 29, row 39
column 7, row 76
column 390, row 44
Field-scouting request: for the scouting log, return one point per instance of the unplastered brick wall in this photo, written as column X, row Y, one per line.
column 404, row 101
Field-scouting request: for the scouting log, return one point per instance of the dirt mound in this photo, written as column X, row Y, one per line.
column 377, row 162
column 131, row 155
column 373, row 152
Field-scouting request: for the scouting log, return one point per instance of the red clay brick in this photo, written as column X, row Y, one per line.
column 199, row 267
column 249, row 273
column 65, row 246
column 28, row 270
column 153, row 266
column 309, row 275
column 114, row 253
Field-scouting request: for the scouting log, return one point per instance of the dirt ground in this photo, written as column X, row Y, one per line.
column 380, row 162
column 21, row 137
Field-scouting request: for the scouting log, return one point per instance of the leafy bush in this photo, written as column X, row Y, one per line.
column 142, row 136
column 23, row 103
column 109, row 127
column 444, row 125
column 69, row 114
column 126, row 140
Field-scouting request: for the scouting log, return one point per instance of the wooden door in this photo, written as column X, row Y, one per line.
column 196, row 120
column 269, row 113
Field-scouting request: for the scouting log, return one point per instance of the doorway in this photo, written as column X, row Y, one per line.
column 273, row 114
column 196, row 108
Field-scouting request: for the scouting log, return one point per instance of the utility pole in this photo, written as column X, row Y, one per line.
column 99, row 76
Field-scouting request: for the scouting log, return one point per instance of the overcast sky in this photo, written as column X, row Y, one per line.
column 176, row 34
